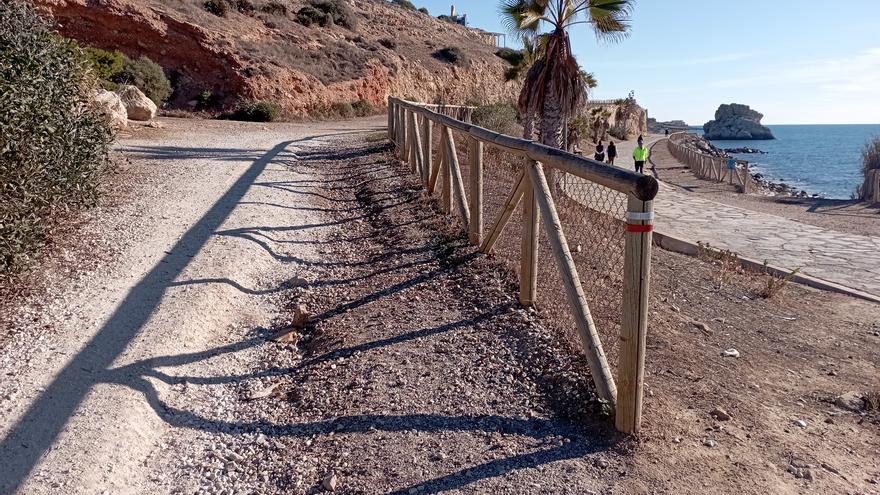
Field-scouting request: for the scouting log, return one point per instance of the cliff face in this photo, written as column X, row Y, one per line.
column 736, row 121
column 269, row 56
column 626, row 115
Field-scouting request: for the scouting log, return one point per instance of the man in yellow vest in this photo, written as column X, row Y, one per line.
column 640, row 155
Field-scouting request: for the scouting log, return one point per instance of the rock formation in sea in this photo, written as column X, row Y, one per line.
column 736, row 121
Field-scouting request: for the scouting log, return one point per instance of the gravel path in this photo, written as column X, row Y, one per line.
column 82, row 361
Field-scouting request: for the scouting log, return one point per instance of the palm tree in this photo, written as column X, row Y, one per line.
column 555, row 87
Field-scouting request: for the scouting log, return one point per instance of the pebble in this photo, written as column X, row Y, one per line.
column 331, row 482
column 730, row 353
column 602, row 464
column 801, row 423
column 677, row 440
column 710, row 443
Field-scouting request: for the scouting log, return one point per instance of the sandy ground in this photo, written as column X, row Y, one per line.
column 848, row 216
column 418, row 373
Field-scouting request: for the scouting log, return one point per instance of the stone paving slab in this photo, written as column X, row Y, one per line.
column 847, row 259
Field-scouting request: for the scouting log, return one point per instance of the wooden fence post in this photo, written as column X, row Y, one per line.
column 528, row 271
column 475, row 155
column 404, row 137
column 574, row 292
column 455, row 177
column 427, row 165
column 390, row 119
column 634, row 324
column 446, row 172
column 417, row 148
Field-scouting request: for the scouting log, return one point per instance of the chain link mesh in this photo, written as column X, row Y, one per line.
column 592, row 217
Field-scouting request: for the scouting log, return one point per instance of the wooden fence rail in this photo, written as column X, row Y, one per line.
column 709, row 167
column 410, row 127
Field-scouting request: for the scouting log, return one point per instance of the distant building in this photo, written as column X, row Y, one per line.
column 494, row 39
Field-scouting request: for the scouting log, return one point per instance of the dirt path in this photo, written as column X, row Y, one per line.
column 79, row 368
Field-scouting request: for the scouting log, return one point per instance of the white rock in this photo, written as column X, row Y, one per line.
column 730, row 353
column 138, row 106
column 110, row 105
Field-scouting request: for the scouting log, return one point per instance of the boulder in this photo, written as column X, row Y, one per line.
column 110, row 105
column 138, row 106
column 736, row 121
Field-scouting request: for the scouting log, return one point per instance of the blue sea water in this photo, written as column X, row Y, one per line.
column 819, row 159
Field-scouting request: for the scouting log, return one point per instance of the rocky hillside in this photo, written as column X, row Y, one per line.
column 258, row 50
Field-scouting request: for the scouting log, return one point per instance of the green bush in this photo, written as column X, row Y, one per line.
column 217, row 7
column 105, row 64
column 388, row 43
column 326, row 12
column 221, row 8
column 344, row 110
column 511, row 56
column 274, row 8
column 147, row 76
column 256, row 111
column 452, row 54
column 363, row 108
column 618, row 133
column 53, row 145
column 499, row 117
column 405, row 4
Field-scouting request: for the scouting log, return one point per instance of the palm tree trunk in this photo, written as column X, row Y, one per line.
column 552, row 126
column 529, row 126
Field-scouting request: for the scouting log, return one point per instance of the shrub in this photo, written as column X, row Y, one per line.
column 309, row 15
column 344, row 110
column 217, row 7
column 256, row 111
column 404, row 3
column 452, row 54
column 870, row 162
column 388, row 43
column 424, row 11
column 147, row 76
column 363, row 108
column 511, row 56
column 207, row 99
column 499, row 117
column 105, row 64
column 274, row 8
column 53, row 145
column 618, row 133
column 340, row 12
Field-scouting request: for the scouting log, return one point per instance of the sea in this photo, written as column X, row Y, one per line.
column 819, row 159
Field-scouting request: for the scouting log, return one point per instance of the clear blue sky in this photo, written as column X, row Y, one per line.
column 796, row 61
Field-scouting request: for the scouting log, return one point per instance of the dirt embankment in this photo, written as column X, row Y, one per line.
column 269, row 56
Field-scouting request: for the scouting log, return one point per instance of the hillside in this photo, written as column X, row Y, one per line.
column 258, row 50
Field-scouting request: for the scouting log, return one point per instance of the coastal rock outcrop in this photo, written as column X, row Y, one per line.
column 137, row 105
column 658, row 127
column 736, row 121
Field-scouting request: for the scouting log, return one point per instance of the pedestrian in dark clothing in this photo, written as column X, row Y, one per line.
column 612, row 153
column 600, row 152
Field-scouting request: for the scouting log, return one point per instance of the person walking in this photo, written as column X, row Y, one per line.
column 600, row 152
column 640, row 156
column 612, row 152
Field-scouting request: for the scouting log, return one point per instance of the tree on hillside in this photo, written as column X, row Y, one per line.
column 555, row 87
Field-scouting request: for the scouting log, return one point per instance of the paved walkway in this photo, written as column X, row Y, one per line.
column 846, row 259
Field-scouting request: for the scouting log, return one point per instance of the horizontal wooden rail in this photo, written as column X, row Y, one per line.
column 626, row 181
column 709, row 167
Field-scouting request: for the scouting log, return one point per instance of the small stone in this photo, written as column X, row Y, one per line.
column 702, row 327
column 331, row 482
column 730, row 353
column 677, row 440
column 602, row 464
column 710, row 443
column 801, row 423
column 720, row 414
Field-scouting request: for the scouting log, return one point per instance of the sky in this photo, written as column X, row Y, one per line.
column 795, row 61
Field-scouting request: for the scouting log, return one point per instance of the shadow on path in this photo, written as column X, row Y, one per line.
column 41, row 424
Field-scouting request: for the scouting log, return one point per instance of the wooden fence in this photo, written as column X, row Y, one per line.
column 410, row 128
column 710, row 167
column 872, row 186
